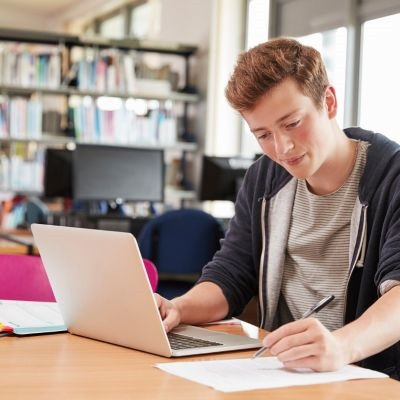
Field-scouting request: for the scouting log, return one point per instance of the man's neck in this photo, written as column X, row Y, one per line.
column 337, row 169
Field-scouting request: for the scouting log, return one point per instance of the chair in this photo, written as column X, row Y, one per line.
column 180, row 243
column 23, row 277
column 152, row 273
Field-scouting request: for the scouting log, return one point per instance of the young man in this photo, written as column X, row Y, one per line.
column 319, row 214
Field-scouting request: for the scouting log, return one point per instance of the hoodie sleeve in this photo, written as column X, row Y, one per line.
column 232, row 267
column 389, row 260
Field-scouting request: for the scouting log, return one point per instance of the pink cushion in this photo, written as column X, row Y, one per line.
column 23, row 277
column 152, row 273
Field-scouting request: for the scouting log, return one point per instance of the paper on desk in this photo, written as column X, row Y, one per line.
column 230, row 321
column 263, row 373
column 27, row 317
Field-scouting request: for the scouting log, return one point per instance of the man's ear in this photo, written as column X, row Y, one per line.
column 330, row 101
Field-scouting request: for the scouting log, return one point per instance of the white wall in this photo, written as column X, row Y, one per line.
column 13, row 18
column 227, row 41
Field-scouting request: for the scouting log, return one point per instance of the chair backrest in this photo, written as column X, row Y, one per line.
column 181, row 241
column 152, row 273
column 23, row 277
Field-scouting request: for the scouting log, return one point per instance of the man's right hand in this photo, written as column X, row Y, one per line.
column 205, row 302
column 169, row 311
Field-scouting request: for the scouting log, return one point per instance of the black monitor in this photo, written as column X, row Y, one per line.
column 58, row 173
column 118, row 173
column 222, row 177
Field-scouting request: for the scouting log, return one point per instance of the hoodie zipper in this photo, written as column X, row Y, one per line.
column 261, row 270
column 359, row 251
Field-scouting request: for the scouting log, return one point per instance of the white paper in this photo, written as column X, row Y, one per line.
column 230, row 321
column 262, row 373
column 30, row 314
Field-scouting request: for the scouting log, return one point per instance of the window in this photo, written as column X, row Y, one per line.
column 140, row 21
column 113, row 27
column 257, row 22
column 332, row 46
column 256, row 33
column 380, row 79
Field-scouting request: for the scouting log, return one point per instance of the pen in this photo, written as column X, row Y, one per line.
column 314, row 309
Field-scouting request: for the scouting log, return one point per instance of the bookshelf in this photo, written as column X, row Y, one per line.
column 65, row 91
column 105, row 91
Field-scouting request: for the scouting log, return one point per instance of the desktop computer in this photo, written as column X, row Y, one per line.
column 222, row 177
column 99, row 179
column 118, row 173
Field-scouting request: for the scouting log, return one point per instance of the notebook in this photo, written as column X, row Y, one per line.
column 30, row 317
column 103, row 293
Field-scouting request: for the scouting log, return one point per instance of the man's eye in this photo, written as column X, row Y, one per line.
column 293, row 124
column 263, row 136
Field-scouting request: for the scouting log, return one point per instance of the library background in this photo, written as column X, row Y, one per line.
column 113, row 116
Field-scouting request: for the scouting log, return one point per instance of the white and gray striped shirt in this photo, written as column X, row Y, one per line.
column 317, row 255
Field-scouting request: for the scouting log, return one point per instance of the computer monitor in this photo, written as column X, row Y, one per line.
column 118, row 173
column 58, row 173
column 222, row 177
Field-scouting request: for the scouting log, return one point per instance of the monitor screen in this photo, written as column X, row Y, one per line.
column 58, row 173
column 110, row 173
column 222, row 177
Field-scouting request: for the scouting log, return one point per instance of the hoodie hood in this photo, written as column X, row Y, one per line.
column 380, row 165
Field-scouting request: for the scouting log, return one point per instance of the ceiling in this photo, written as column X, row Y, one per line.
column 54, row 15
column 39, row 7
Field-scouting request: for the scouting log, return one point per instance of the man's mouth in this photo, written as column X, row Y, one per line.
column 293, row 160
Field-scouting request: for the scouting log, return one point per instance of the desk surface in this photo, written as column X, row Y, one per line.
column 10, row 247
column 72, row 367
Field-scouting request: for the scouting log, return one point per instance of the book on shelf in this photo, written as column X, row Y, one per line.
column 30, row 65
column 122, row 125
column 20, row 173
column 119, row 72
column 20, row 117
column 109, row 71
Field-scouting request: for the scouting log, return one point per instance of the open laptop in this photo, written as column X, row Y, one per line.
column 103, row 293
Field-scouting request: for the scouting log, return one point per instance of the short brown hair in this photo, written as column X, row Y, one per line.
column 265, row 66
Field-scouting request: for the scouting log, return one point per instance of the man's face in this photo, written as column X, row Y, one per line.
column 291, row 130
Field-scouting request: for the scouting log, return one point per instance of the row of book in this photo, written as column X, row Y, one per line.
column 123, row 125
column 20, row 117
column 20, row 174
column 30, row 65
column 114, row 71
column 105, row 71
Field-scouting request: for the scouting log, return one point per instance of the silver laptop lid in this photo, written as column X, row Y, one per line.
column 101, row 286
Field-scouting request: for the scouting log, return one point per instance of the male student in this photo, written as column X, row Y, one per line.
column 318, row 215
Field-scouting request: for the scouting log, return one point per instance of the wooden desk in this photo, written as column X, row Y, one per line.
column 71, row 367
column 10, row 247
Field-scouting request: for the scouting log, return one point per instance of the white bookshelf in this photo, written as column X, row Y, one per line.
column 37, row 55
column 65, row 91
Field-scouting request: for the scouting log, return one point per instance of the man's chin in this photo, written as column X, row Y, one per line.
column 299, row 174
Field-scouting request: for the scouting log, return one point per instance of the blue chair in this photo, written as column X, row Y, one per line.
column 180, row 243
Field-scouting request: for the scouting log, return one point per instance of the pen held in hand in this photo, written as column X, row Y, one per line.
column 314, row 309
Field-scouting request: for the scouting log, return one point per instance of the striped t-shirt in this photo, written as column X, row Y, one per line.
column 317, row 255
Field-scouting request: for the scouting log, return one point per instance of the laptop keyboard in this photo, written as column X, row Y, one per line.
column 179, row 342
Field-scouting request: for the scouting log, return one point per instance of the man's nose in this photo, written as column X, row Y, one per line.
column 283, row 143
